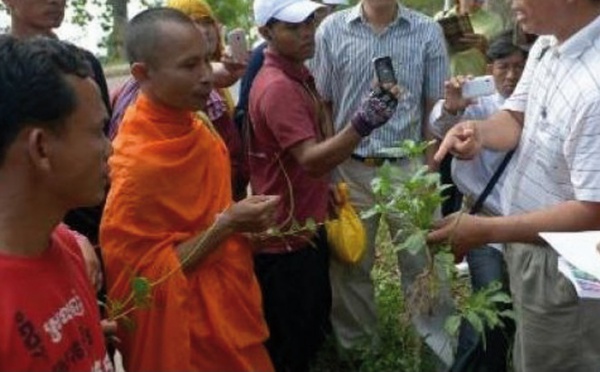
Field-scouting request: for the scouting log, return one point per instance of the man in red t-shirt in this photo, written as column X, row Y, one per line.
column 291, row 154
column 52, row 158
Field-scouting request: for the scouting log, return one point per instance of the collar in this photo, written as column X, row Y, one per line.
column 301, row 74
column 581, row 41
column 356, row 14
column 163, row 114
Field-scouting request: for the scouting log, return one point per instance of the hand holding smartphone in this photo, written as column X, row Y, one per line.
column 238, row 45
column 479, row 87
column 386, row 76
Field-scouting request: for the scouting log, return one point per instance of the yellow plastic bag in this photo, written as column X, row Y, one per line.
column 346, row 234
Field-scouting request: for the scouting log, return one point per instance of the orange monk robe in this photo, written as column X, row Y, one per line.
column 170, row 178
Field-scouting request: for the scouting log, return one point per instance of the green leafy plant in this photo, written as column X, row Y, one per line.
column 412, row 195
column 481, row 310
column 398, row 346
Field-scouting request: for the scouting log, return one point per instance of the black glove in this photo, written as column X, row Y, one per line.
column 375, row 110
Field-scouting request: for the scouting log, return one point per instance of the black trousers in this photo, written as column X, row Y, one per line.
column 297, row 302
column 453, row 200
column 486, row 265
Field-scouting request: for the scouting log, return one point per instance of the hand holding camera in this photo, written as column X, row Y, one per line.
column 461, row 90
column 454, row 103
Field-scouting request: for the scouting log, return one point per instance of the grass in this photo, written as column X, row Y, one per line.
column 400, row 348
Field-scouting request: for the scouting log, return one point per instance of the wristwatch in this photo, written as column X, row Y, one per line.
column 457, row 114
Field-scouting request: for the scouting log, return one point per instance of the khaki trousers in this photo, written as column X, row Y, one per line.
column 556, row 331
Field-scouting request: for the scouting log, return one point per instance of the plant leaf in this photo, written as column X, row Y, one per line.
column 452, row 324
column 414, row 243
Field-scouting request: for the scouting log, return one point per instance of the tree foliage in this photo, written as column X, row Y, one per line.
column 231, row 13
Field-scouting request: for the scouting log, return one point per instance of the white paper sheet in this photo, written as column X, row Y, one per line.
column 586, row 285
column 579, row 249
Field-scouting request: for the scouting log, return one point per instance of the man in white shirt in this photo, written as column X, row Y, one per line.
column 486, row 264
column 553, row 120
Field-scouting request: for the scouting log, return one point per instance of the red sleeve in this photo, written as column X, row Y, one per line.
column 288, row 113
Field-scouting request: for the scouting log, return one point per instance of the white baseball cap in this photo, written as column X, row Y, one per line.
column 335, row 2
column 293, row 11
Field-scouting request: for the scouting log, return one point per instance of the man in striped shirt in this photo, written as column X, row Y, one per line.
column 553, row 120
column 347, row 42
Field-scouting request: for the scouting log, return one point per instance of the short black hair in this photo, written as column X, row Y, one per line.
column 503, row 46
column 143, row 34
column 33, row 85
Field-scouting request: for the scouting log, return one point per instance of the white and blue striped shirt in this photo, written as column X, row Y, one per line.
column 343, row 69
column 558, row 157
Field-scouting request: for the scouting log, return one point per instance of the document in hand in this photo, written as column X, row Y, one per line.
column 580, row 259
column 455, row 27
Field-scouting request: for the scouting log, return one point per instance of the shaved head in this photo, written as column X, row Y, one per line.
column 145, row 33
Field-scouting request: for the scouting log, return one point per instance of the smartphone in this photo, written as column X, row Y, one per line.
column 238, row 45
column 479, row 87
column 384, row 69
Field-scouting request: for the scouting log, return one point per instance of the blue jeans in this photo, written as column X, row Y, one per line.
column 486, row 265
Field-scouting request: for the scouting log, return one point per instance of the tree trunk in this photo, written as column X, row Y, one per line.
column 116, row 42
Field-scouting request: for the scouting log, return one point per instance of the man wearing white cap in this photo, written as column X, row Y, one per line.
column 291, row 153
column 257, row 58
column 347, row 42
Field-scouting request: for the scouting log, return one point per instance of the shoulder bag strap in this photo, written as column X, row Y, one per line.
column 490, row 185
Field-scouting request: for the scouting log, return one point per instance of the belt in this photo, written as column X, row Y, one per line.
column 374, row 161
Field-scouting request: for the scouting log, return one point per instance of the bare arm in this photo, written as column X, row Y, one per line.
column 428, row 134
column 192, row 251
column 466, row 231
column 525, row 227
column 318, row 158
column 500, row 132
column 225, row 75
column 253, row 214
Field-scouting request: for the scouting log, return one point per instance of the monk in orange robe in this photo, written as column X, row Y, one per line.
column 170, row 210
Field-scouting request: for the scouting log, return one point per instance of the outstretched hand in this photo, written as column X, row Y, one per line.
column 254, row 214
column 463, row 141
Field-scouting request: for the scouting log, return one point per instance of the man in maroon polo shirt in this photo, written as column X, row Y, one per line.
column 291, row 153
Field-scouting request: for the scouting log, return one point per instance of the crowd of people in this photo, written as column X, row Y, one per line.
column 199, row 223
